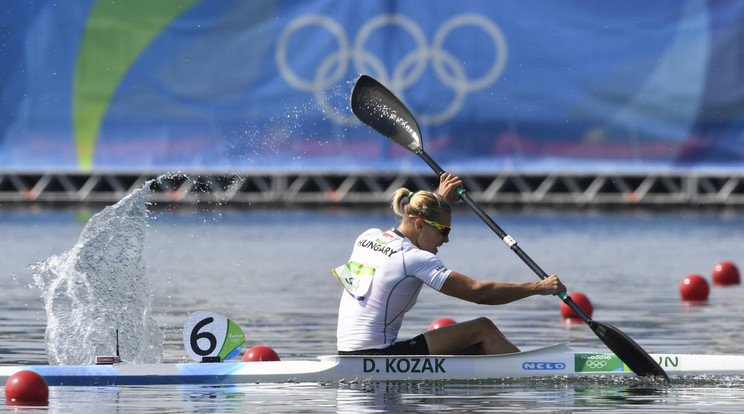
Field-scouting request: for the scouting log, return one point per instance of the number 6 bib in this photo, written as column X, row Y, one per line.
column 209, row 337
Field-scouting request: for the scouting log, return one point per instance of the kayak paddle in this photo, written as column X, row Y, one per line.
column 381, row 110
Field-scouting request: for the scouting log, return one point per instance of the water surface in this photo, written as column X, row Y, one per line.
column 269, row 271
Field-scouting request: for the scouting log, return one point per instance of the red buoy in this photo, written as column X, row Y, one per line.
column 725, row 274
column 441, row 322
column 694, row 287
column 260, row 354
column 26, row 386
column 582, row 300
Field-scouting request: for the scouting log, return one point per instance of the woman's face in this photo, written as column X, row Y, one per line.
column 430, row 237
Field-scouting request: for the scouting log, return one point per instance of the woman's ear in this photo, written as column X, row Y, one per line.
column 418, row 225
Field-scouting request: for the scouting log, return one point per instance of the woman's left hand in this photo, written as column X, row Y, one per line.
column 448, row 183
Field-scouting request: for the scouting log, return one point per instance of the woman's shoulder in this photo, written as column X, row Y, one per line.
column 411, row 249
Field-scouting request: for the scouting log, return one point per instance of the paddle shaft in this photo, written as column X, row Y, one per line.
column 381, row 110
column 508, row 240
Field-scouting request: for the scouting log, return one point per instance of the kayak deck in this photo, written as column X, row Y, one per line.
column 553, row 361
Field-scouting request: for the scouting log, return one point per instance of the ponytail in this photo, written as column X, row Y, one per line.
column 401, row 198
column 424, row 204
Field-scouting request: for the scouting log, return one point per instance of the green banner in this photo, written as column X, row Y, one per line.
column 598, row 363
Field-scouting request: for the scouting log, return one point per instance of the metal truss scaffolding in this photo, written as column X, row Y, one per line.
column 302, row 189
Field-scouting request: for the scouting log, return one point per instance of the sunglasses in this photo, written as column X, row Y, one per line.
column 443, row 230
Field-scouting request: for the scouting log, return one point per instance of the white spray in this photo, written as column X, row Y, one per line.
column 99, row 286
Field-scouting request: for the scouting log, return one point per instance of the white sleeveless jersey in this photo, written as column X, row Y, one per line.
column 401, row 269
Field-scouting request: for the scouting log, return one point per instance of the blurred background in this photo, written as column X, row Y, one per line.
column 558, row 102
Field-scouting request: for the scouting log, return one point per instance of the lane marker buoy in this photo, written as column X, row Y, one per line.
column 584, row 303
column 694, row 288
column 260, row 353
column 725, row 274
column 26, row 388
column 441, row 322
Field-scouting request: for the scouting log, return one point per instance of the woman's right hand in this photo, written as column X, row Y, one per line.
column 551, row 285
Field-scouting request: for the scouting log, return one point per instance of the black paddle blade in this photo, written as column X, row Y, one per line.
column 382, row 111
column 628, row 350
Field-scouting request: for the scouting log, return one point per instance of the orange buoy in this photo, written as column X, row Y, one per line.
column 725, row 274
column 441, row 322
column 694, row 287
column 260, row 354
column 26, row 386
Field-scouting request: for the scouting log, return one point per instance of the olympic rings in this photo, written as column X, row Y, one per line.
column 596, row 364
column 341, row 56
column 408, row 70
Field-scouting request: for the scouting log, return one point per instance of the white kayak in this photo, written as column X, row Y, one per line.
column 552, row 361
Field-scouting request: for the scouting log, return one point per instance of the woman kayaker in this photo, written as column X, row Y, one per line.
column 387, row 269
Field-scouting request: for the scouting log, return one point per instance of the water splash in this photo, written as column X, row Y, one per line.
column 100, row 285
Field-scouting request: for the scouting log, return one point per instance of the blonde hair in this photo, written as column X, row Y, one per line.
column 424, row 204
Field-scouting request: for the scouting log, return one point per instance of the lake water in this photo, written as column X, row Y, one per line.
column 268, row 271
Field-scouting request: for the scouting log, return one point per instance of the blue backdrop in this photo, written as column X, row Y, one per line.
column 265, row 84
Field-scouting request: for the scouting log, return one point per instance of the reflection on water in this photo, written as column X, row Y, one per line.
column 538, row 395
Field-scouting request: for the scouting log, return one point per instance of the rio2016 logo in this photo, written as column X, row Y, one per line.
column 598, row 363
column 406, row 72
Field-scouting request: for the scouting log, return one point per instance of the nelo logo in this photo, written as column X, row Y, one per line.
column 553, row 366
